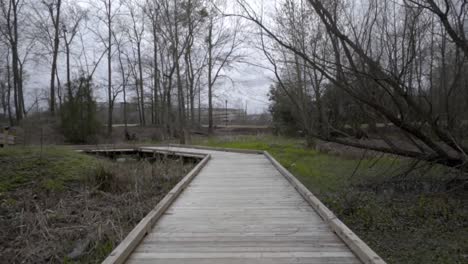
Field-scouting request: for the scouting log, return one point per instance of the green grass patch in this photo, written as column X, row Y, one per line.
column 48, row 168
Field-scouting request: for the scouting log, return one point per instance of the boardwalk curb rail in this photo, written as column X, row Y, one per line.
column 173, row 153
column 359, row 247
column 246, row 151
column 123, row 250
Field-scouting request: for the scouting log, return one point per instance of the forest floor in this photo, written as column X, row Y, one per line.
column 407, row 211
column 60, row 206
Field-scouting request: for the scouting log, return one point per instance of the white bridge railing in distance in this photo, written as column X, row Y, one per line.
column 6, row 140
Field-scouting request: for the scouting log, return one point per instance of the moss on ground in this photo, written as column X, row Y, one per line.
column 49, row 168
column 400, row 207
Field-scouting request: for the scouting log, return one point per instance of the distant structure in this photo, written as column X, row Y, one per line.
column 221, row 116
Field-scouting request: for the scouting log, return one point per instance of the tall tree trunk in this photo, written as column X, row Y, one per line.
column 169, row 113
column 189, row 65
column 13, row 39
column 9, row 87
column 59, row 89
column 140, row 70
column 20, row 90
column 180, row 90
column 69, row 89
column 140, row 118
column 3, row 98
column 152, row 103
column 192, row 104
column 190, row 85
column 199, row 105
column 124, row 88
column 210, row 77
column 10, row 116
column 16, row 86
column 17, row 82
column 56, row 22
column 109, row 68
column 156, row 73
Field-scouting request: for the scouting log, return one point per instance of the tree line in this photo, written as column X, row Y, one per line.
column 165, row 55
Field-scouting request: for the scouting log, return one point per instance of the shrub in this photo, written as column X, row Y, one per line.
column 79, row 122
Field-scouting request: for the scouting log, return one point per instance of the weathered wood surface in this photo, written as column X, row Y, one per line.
column 240, row 209
column 123, row 250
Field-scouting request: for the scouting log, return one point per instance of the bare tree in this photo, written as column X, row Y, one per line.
column 452, row 15
column 377, row 62
column 72, row 19
column 10, row 14
column 153, row 13
column 196, row 15
column 124, row 70
column 106, row 13
column 136, row 34
column 222, row 44
column 54, row 8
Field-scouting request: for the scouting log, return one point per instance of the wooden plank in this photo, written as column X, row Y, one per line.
column 205, row 255
column 245, row 151
column 112, row 150
column 362, row 250
column 174, row 153
column 239, row 260
column 248, row 246
column 123, row 250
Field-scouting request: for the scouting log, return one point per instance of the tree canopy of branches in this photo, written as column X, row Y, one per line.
column 391, row 64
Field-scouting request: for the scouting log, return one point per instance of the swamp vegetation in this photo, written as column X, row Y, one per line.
column 61, row 206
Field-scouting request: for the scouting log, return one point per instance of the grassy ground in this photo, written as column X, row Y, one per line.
column 26, row 166
column 60, row 206
column 408, row 212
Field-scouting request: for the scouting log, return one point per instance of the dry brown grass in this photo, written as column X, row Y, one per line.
column 82, row 219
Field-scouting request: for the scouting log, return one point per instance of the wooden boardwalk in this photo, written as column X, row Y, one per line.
column 240, row 209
